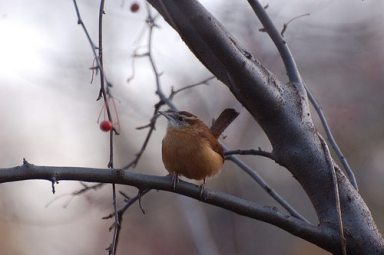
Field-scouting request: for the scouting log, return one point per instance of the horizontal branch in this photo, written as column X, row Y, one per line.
column 27, row 171
column 258, row 152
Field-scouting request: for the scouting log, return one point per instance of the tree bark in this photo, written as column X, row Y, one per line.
column 282, row 110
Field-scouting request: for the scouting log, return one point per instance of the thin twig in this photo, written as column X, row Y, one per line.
column 290, row 64
column 264, row 185
column 93, row 46
column 163, row 99
column 332, row 141
column 152, row 125
column 285, row 26
column 116, row 226
column 129, row 203
column 87, row 188
column 203, row 82
column 337, row 195
column 105, row 92
column 295, row 78
column 159, row 92
column 257, row 152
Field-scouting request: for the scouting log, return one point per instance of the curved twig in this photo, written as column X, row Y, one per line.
column 285, row 26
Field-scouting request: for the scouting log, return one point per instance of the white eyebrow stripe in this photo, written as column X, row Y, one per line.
column 188, row 117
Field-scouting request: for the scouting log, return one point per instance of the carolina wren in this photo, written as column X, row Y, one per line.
column 192, row 149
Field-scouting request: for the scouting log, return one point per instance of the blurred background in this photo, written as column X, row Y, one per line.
column 49, row 116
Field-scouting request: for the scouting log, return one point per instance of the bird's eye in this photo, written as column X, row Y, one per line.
column 180, row 118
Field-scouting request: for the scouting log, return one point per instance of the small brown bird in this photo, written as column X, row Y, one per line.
column 192, row 149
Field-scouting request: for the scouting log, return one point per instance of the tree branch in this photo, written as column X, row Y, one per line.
column 290, row 64
column 321, row 236
column 295, row 77
column 258, row 152
column 223, row 56
column 283, row 112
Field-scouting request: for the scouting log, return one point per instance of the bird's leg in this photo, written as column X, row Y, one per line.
column 202, row 188
column 175, row 180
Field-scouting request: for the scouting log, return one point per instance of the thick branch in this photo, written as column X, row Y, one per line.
column 282, row 110
column 321, row 236
column 223, row 56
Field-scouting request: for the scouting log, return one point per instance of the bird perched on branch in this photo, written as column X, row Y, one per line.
column 190, row 148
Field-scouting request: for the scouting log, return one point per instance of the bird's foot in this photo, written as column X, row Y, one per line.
column 202, row 188
column 175, row 180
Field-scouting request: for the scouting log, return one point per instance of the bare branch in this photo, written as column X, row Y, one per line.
column 163, row 99
column 257, row 152
column 93, row 46
column 265, row 186
column 320, row 235
column 295, row 78
column 290, row 64
column 222, row 54
column 337, row 195
column 347, row 168
column 105, row 93
column 151, row 126
column 87, row 188
column 285, row 26
column 217, row 36
column 203, row 82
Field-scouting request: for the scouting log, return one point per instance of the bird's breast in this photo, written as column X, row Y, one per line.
column 190, row 155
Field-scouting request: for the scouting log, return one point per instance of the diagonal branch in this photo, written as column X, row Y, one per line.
column 283, row 112
column 295, row 77
column 213, row 32
column 265, row 186
column 223, row 56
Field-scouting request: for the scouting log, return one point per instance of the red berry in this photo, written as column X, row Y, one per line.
column 106, row 125
column 135, row 7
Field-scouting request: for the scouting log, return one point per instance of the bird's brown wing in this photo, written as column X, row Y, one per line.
column 223, row 121
column 215, row 145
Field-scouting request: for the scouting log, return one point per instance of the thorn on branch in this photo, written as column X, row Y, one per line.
column 95, row 68
column 54, row 181
column 126, row 197
column 140, row 193
column 25, row 162
column 115, row 131
column 100, row 96
column 263, row 30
